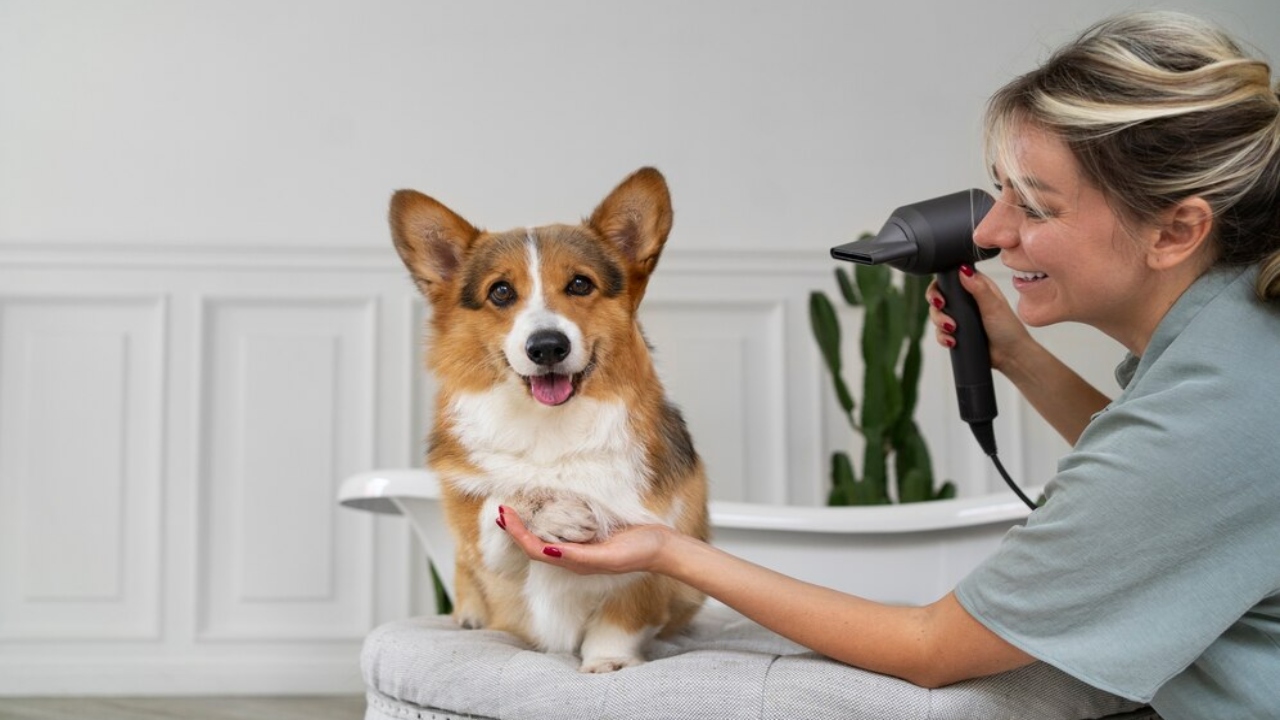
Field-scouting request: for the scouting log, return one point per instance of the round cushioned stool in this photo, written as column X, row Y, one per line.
column 722, row 666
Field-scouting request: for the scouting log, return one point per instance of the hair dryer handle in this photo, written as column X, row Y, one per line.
column 970, row 356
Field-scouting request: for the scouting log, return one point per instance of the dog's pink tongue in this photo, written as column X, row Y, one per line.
column 551, row 389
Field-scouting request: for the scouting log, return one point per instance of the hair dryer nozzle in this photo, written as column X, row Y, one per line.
column 925, row 237
column 891, row 245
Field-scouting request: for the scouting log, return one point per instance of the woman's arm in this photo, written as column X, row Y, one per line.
column 1063, row 398
column 930, row 646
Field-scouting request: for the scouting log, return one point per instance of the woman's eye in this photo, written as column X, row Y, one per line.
column 580, row 285
column 1032, row 213
column 502, row 294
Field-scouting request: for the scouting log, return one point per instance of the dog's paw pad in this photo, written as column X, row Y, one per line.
column 469, row 623
column 565, row 520
column 608, row 664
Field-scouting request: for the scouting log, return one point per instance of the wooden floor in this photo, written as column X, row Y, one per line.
column 195, row 708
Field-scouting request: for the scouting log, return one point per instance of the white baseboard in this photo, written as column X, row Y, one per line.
column 336, row 673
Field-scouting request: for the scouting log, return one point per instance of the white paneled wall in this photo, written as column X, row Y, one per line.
column 81, row 421
column 174, row 424
column 286, row 403
column 173, row 429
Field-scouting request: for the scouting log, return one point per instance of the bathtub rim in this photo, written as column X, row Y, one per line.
column 376, row 491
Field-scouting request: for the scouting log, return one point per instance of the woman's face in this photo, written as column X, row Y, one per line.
column 1075, row 261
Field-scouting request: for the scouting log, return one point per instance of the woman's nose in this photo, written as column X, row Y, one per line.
column 999, row 229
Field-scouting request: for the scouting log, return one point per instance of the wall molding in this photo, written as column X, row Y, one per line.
column 212, row 614
column 358, row 258
column 338, row 330
column 252, row 672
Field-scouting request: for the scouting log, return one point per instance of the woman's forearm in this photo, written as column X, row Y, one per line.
column 929, row 646
column 1062, row 397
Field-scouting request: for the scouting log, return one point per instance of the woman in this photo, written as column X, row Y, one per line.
column 1138, row 174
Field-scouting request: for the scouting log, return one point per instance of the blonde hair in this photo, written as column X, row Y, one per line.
column 1158, row 107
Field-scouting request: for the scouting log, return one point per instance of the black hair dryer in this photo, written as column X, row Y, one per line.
column 936, row 236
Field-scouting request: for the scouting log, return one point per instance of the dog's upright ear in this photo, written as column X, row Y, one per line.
column 430, row 238
column 636, row 218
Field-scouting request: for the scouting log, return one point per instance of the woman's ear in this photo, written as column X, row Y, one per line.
column 1186, row 233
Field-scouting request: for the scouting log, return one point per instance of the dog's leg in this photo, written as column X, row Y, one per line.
column 607, row 647
column 469, row 609
column 559, row 605
column 630, row 616
column 500, row 553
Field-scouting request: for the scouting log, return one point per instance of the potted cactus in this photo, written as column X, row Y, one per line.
column 894, row 318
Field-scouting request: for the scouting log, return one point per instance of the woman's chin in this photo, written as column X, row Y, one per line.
column 1035, row 317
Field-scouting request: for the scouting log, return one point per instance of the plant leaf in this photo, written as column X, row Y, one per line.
column 847, row 287
column 842, row 480
column 912, row 465
column 444, row 605
column 826, row 330
column 874, row 488
column 910, row 384
column 917, row 309
column 872, row 281
column 914, row 487
column 896, row 328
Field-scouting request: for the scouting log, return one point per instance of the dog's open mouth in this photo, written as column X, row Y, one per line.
column 552, row 388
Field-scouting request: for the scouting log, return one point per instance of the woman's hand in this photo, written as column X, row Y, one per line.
column 634, row 549
column 1005, row 332
column 1060, row 395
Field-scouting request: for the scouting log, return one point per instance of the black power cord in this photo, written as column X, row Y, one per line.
column 986, row 437
column 1009, row 481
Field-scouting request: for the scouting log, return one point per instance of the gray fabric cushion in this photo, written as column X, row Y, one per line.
column 723, row 666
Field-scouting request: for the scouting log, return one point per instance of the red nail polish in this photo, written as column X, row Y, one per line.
column 937, row 302
column 967, row 270
column 948, row 327
column 551, row 551
column 502, row 510
column 949, row 342
column 502, row 523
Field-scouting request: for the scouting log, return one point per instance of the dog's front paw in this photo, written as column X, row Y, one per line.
column 468, row 621
column 608, row 664
column 563, row 518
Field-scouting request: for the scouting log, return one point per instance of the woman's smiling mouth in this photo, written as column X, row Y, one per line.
column 1024, row 278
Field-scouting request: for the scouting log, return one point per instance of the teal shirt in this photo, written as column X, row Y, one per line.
column 1153, row 570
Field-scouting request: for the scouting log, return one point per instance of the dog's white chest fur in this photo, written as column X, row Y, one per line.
column 585, row 447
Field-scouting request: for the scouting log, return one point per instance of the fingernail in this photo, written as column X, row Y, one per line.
column 949, row 342
column 948, row 327
column 551, row 551
column 967, row 270
column 502, row 510
column 502, row 523
column 937, row 302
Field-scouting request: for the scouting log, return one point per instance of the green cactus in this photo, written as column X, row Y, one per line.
column 894, row 319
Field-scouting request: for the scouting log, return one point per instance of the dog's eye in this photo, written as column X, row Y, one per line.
column 580, row 285
column 502, row 294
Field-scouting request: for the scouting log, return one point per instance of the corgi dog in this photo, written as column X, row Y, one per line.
column 548, row 403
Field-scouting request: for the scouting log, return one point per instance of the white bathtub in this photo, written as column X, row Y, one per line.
column 911, row 553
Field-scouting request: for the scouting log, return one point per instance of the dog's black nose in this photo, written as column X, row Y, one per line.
column 547, row 347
